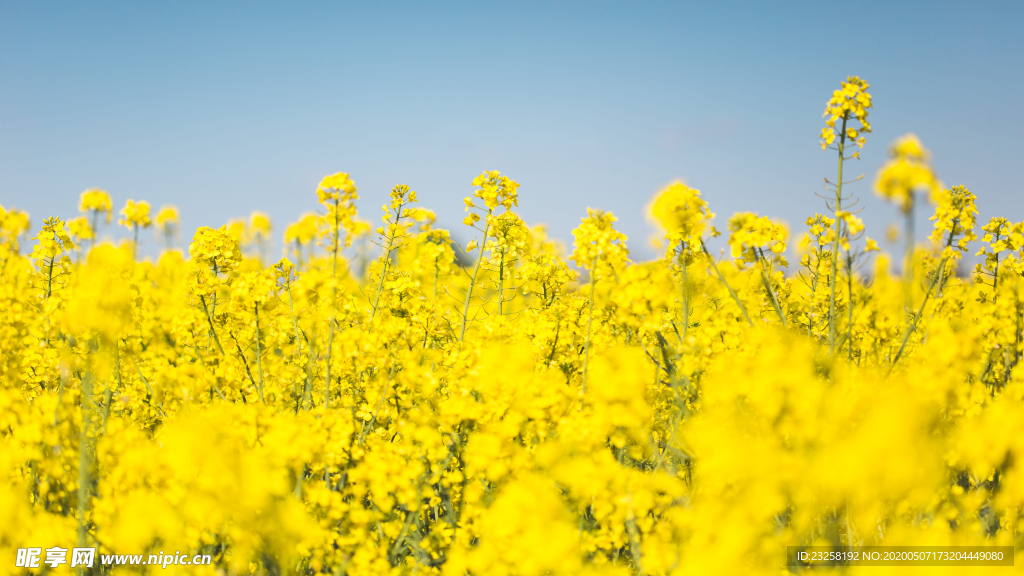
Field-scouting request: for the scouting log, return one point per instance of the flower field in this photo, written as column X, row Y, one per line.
column 385, row 401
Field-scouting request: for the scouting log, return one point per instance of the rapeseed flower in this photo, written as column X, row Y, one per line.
column 427, row 411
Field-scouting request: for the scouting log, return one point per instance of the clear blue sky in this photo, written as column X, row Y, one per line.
column 223, row 108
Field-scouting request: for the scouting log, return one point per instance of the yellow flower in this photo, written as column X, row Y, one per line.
column 598, row 246
column 260, row 223
column 682, row 213
column 96, row 201
column 303, row 231
column 851, row 102
column 907, row 172
column 334, row 187
column 215, row 248
column 752, row 235
column 167, row 218
column 495, row 190
column 955, row 217
column 136, row 214
column 81, row 229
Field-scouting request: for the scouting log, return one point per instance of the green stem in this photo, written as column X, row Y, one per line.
column 259, row 352
column 590, row 323
column 814, row 290
column 84, row 462
column 835, row 244
column 472, row 280
column 725, row 283
column 686, row 290
column 768, row 288
column 331, row 321
column 380, row 404
column 327, row 381
column 307, row 394
column 849, row 324
column 908, row 252
column 913, row 324
column 387, row 262
column 209, row 318
column 92, row 241
column 501, row 283
column 295, row 326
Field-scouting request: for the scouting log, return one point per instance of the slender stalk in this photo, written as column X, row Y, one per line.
column 554, row 343
column 259, row 352
column 835, row 244
column 590, row 323
column 92, row 241
column 331, row 321
column 209, row 318
column 135, row 241
column 437, row 272
column 685, row 289
column 387, row 262
column 995, row 280
column 725, row 283
column 307, row 394
column 472, row 280
column 501, row 283
column 849, row 323
column 380, row 403
column 84, row 463
column 814, row 291
column 768, row 288
column 295, row 326
column 908, row 252
column 49, row 279
column 327, row 376
column 913, row 324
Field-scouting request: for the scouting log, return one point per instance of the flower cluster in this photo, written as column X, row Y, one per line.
column 955, row 216
column 907, row 172
column 681, row 212
column 599, row 247
column 850, row 102
column 96, row 201
column 752, row 235
column 215, row 248
column 135, row 215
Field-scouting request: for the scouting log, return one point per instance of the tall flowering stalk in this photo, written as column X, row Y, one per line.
column 600, row 249
column 1001, row 239
column 214, row 251
column 299, row 237
column 905, row 174
column 817, row 239
column 50, row 255
column 391, row 235
column 135, row 216
column 258, row 233
column 168, row 223
column 337, row 193
column 494, row 190
column 95, row 202
column 848, row 107
column 681, row 212
column 854, row 228
column 750, row 236
column 954, row 220
column 509, row 243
